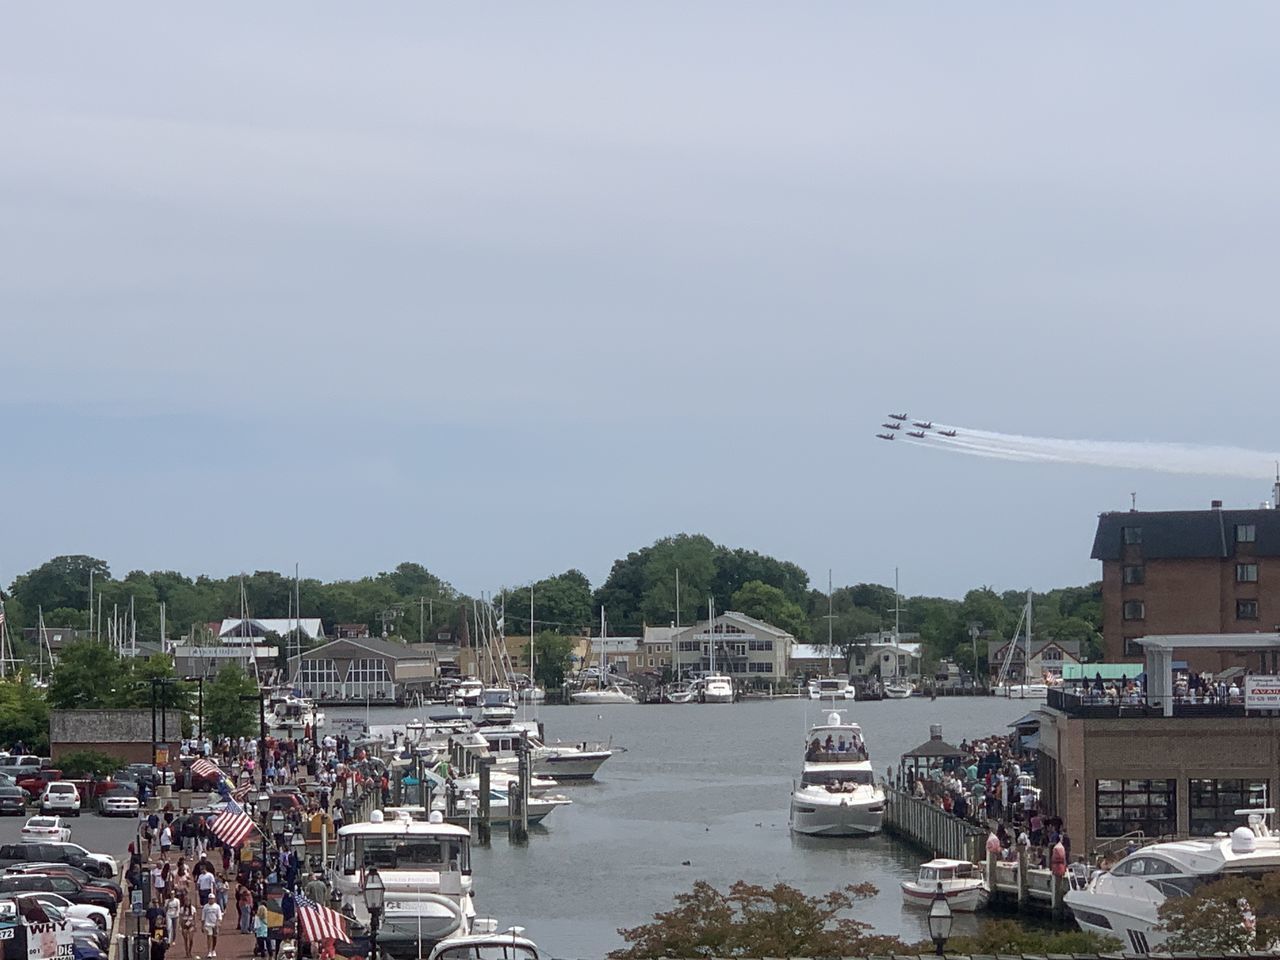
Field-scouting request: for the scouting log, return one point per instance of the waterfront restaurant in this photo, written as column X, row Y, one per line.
column 1167, row 758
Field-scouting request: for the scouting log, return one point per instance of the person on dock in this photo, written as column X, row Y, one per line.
column 211, row 920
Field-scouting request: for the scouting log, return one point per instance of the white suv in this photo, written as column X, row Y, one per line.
column 60, row 796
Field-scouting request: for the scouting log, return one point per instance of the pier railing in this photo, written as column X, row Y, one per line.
column 930, row 827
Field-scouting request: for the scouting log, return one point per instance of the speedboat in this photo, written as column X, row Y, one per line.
column 899, row 688
column 511, row 944
column 837, row 795
column 831, row 688
column 1124, row 902
column 468, row 806
column 426, row 870
column 716, row 688
column 960, row 881
column 289, row 713
column 497, row 705
column 467, row 693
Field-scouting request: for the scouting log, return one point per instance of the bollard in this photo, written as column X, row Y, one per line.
column 991, row 872
column 1022, row 877
column 518, row 799
column 1059, row 891
column 482, row 822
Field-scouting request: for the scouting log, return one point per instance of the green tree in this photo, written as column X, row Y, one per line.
column 1215, row 919
column 770, row 604
column 89, row 763
column 757, row 921
column 225, row 714
column 1009, row 937
column 60, row 582
column 89, row 676
column 24, row 715
column 551, row 658
column 155, row 675
column 561, row 604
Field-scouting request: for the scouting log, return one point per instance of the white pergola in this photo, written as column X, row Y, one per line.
column 1159, row 650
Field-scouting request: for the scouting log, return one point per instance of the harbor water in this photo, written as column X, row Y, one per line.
column 707, row 784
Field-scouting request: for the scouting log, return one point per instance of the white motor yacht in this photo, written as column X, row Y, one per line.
column 1123, row 902
column 426, row 870
column 612, row 693
column 557, row 761
column 680, row 693
column 716, row 688
column 497, row 705
column 1022, row 691
column 468, row 805
column 837, row 795
column 959, row 880
column 899, row 688
column 509, row 945
column 831, row 688
column 289, row 713
column 467, row 693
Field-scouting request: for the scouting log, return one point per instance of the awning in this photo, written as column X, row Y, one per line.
column 1031, row 741
column 1109, row 671
column 1032, row 719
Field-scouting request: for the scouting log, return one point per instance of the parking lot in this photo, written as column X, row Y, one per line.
column 97, row 834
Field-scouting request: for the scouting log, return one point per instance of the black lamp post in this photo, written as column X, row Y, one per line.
column 374, row 892
column 940, row 920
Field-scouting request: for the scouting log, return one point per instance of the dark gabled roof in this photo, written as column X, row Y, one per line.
column 376, row 645
column 935, row 747
column 1185, row 534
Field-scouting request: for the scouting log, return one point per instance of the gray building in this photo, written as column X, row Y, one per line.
column 751, row 651
column 356, row 668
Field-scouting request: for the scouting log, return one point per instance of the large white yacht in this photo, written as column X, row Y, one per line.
column 289, row 713
column 837, row 795
column 426, row 869
column 716, row 688
column 556, row 761
column 831, row 688
column 1123, row 902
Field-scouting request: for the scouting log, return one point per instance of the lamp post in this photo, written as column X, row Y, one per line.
column 940, row 920
column 374, row 891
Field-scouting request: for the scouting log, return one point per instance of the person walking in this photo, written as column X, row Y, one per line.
column 244, row 905
column 211, row 919
column 166, row 841
column 260, row 932
column 187, row 924
column 172, row 908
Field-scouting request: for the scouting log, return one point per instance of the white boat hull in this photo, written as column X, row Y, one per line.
column 896, row 692
column 1024, row 691
column 836, row 817
column 712, row 696
column 1136, row 924
column 600, row 697
column 962, row 899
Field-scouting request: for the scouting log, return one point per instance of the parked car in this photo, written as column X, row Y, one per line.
column 121, row 802
column 46, row 828
column 81, row 911
column 44, row 851
column 34, row 781
column 67, row 870
column 13, row 802
column 13, row 884
column 60, row 796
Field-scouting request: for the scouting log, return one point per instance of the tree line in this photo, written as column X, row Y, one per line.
column 672, row 580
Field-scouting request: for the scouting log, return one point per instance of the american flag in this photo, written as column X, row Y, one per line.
column 320, row 923
column 206, row 768
column 232, row 825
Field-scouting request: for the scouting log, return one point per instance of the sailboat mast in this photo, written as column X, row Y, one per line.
column 603, row 644
column 711, row 629
column 532, row 661
column 4, row 642
column 676, row 658
column 830, row 616
column 1026, row 662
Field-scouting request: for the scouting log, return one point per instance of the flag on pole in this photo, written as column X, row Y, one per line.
column 206, row 768
column 320, row 923
column 232, row 826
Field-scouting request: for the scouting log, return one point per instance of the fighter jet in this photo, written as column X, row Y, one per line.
column 894, row 425
column 946, row 433
column 897, row 416
column 918, row 434
column 885, row 436
column 923, row 424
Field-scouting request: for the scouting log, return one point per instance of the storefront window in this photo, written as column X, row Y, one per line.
column 1149, row 807
column 1213, row 804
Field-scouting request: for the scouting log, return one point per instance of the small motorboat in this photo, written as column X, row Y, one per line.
column 899, row 689
column 959, row 880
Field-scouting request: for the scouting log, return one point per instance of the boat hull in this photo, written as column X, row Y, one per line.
column 601, row 697
column 965, row 899
column 849, row 818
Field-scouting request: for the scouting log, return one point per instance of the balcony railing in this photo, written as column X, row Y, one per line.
column 1085, row 702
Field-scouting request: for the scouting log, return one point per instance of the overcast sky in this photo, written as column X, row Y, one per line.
column 506, row 289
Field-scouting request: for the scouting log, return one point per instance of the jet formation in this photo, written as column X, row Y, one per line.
column 924, row 428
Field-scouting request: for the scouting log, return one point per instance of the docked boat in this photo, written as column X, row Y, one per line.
column 556, row 761
column 959, row 880
column 1124, row 902
column 1022, row 691
column 497, row 705
column 467, row 693
column 468, row 806
column 508, row 945
column 426, row 870
column 289, row 713
column 831, row 688
column 837, row 795
column 899, row 688
column 716, row 688
column 680, row 693
column 603, row 693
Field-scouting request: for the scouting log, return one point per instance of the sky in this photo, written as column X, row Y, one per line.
column 507, row 289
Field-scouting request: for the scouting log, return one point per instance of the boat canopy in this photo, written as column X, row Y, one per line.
column 1109, row 671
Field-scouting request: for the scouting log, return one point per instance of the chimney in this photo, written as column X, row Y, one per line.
column 1215, row 504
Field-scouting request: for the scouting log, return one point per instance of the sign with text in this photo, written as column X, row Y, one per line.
column 49, row 941
column 1262, row 693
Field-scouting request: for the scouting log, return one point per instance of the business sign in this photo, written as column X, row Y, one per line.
column 1262, row 693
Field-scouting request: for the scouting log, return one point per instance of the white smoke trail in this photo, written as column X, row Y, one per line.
column 1185, row 458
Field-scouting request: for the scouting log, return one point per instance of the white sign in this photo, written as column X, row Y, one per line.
column 1262, row 693
column 49, row 941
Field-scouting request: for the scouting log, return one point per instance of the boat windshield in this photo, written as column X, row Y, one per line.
column 834, row 749
column 408, row 852
column 838, row 780
column 491, row 950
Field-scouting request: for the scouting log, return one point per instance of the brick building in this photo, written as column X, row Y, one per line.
column 1188, row 571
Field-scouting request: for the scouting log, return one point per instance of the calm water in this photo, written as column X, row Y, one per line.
column 709, row 784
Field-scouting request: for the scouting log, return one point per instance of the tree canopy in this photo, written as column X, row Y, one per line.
column 226, row 714
column 1233, row 915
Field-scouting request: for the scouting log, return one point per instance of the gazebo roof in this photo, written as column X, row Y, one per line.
column 934, row 747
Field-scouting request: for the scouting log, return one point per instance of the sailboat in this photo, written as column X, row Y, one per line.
column 1005, row 685
column 897, row 687
column 531, row 692
column 833, row 686
column 602, row 693
column 714, row 687
column 682, row 691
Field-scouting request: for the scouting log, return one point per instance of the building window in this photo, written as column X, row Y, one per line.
column 1135, row 574
column 759, row 644
column 1135, row 610
column 1051, row 653
column 1213, row 804
column 1132, row 648
column 689, row 646
column 1246, row 609
column 1246, row 573
column 760, row 667
column 1125, row 806
column 318, row 676
column 1132, row 534
column 1246, row 533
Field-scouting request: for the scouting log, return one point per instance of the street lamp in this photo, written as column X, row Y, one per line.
column 374, row 890
column 940, row 920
